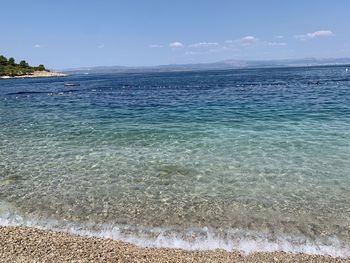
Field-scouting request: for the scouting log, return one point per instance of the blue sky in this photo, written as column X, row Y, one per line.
column 76, row 33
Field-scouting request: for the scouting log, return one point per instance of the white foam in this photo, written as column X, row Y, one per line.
column 190, row 239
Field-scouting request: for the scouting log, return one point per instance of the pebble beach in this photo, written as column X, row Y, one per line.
column 21, row 244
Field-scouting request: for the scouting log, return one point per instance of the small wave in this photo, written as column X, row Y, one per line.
column 190, row 239
column 27, row 92
column 66, row 91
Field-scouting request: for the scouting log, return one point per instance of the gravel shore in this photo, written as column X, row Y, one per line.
column 22, row 244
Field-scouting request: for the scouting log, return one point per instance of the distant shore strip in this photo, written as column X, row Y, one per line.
column 37, row 74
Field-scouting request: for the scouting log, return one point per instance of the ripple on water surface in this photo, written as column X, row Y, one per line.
column 243, row 153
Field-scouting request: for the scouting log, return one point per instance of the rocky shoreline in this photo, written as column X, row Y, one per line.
column 36, row 74
column 22, row 244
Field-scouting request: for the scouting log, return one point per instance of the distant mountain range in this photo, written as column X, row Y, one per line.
column 221, row 65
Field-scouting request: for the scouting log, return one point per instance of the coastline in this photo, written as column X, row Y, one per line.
column 23, row 244
column 37, row 74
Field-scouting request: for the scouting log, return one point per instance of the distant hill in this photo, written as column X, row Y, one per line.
column 8, row 67
column 221, row 65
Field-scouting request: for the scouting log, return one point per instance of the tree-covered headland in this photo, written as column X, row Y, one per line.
column 9, row 67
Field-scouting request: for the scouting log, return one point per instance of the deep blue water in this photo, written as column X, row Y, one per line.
column 236, row 156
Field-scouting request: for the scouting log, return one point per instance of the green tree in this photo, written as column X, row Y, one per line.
column 3, row 61
column 41, row 67
column 24, row 64
column 11, row 61
column 8, row 67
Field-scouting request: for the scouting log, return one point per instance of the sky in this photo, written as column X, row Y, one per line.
column 82, row 33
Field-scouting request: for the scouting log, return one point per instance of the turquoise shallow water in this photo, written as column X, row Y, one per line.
column 252, row 159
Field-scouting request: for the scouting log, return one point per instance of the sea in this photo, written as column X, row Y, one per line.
column 244, row 159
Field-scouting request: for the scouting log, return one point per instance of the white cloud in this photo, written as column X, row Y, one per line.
column 38, row 46
column 321, row 33
column 248, row 40
column 244, row 41
column 155, row 46
column 190, row 53
column 101, row 46
column 276, row 43
column 316, row 34
column 176, row 45
column 204, row 44
column 279, row 37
